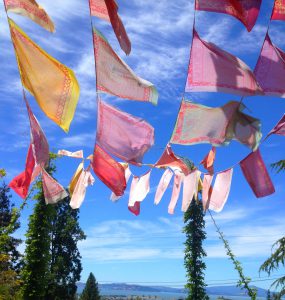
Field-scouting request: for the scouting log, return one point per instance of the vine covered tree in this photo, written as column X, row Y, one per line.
column 194, row 252
column 91, row 290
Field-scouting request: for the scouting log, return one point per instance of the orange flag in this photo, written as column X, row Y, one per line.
column 52, row 84
column 30, row 9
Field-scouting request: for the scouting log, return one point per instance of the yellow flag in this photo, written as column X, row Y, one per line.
column 30, row 9
column 75, row 178
column 52, row 84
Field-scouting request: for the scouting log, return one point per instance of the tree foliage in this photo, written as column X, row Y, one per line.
column 91, row 290
column 194, row 252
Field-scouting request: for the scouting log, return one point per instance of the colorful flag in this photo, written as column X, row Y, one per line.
column 270, row 69
column 113, row 76
column 53, row 191
column 212, row 69
column 76, row 154
column 21, row 183
column 197, row 124
column 246, row 11
column 278, row 12
column 208, row 160
column 53, row 85
column 122, row 134
column 139, row 189
column 256, row 174
column 110, row 172
column 30, row 9
column 178, row 179
column 108, row 11
column 221, row 190
column 207, row 190
column 169, row 159
column 190, row 188
column 75, row 178
column 163, row 185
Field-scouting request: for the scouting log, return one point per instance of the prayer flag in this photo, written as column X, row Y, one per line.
column 163, row 185
column 76, row 154
column 30, row 9
column 110, row 172
column 139, row 189
column 245, row 11
column 256, row 174
column 212, row 69
column 108, row 11
column 75, row 178
column 113, row 76
column 278, row 12
column 207, row 190
column 53, row 191
column 178, row 179
column 221, row 190
column 135, row 209
column 279, row 128
column 208, row 160
column 270, row 69
column 53, row 85
column 122, row 134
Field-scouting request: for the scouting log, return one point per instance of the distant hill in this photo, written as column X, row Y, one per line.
column 216, row 290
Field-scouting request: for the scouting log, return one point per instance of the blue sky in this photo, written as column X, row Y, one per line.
column 119, row 246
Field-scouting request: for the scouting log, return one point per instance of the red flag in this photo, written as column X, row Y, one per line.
column 208, row 160
column 278, row 12
column 279, row 128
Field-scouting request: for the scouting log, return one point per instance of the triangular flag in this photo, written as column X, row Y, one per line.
column 270, row 69
column 208, row 160
column 30, row 9
column 279, row 128
column 113, row 76
column 53, row 85
column 108, row 10
column 246, row 11
column 278, row 12
column 212, row 69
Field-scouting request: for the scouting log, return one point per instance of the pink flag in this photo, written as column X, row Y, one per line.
column 279, row 127
column 169, row 159
column 244, row 10
column 207, row 190
column 135, row 209
column 256, row 174
column 79, row 192
column 76, row 154
column 163, row 185
column 139, row 189
column 113, row 76
column 221, row 190
column 108, row 10
column 270, row 69
column 53, row 191
column 38, row 140
column 178, row 178
column 122, row 134
column 21, row 183
column 278, row 12
column 110, row 172
column 128, row 174
column 197, row 124
column 190, row 187
column 212, row 69
column 208, row 160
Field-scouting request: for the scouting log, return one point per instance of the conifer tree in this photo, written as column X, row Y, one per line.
column 194, row 252
column 91, row 290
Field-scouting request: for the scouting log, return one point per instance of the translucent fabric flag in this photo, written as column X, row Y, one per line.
column 108, row 11
column 128, row 174
column 76, row 154
column 139, row 189
column 279, row 128
column 21, row 183
column 256, row 174
column 38, row 140
column 208, row 160
column 221, row 190
column 212, row 69
column 30, row 9
column 110, row 172
column 163, row 185
column 169, row 159
column 197, row 124
column 245, row 11
column 86, row 179
column 75, row 178
column 122, row 134
column 53, row 85
column 53, row 191
column 270, row 69
column 278, row 12
column 207, row 190
column 178, row 179
column 113, row 76
column 190, row 188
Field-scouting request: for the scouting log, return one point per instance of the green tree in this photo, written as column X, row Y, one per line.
column 194, row 252
column 91, row 290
